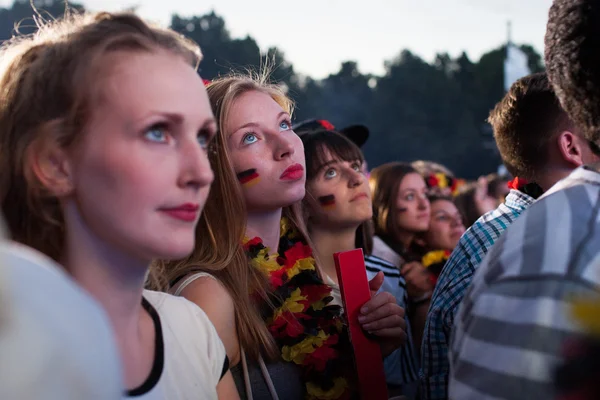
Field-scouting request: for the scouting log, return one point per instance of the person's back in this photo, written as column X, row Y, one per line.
column 55, row 341
column 515, row 317
column 538, row 143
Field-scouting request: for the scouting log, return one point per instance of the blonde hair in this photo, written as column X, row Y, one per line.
column 222, row 226
column 46, row 94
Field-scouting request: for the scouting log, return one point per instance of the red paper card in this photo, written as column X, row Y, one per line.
column 354, row 286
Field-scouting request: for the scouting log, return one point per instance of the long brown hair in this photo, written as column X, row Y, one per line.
column 47, row 93
column 385, row 182
column 222, row 226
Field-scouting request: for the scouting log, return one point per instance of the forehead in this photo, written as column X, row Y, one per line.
column 443, row 205
column 139, row 83
column 412, row 181
column 253, row 107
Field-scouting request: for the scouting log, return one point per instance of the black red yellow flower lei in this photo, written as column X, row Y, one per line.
column 308, row 330
column 443, row 181
column 434, row 261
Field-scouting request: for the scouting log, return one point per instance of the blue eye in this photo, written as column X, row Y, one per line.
column 203, row 140
column 285, row 125
column 250, row 138
column 330, row 173
column 156, row 133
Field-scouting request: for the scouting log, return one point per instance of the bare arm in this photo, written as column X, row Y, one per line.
column 226, row 389
column 214, row 299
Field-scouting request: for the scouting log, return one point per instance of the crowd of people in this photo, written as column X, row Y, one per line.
column 168, row 237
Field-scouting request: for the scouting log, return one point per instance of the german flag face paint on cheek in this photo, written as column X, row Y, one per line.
column 249, row 177
column 327, row 202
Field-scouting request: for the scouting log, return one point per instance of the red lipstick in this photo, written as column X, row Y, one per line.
column 187, row 212
column 292, row 173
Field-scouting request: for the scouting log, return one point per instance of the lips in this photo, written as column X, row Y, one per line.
column 186, row 212
column 359, row 196
column 292, row 173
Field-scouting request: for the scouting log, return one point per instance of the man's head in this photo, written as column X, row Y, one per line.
column 533, row 133
column 573, row 61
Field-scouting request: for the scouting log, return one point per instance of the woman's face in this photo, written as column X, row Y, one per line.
column 446, row 226
column 339, row 195
column 140, row 176
column 412, row 211
column 267, row 156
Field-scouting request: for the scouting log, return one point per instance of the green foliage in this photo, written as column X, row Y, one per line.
column 416, row 110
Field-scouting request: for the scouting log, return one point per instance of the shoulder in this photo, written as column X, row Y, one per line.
column 192, row 346
column 188, row 321
column 559, row 232
column 378, row 263
column 177, row 311
column 383, row 251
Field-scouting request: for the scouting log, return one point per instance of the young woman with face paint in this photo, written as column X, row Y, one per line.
column 103, row 173
column 401, row 211
column 264, row 292
column 445, row 230
column 337, row 204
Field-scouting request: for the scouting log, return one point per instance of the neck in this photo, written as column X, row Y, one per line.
column 327, row 242
column 552, row 175
column 114, row 279
column 405, row 239
column 265, row 226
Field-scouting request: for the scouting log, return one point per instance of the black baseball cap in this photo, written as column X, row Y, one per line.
column 356, row 133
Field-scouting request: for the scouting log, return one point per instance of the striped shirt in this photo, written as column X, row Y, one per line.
column 401, row 367
column 514, row 319
column 451, row 286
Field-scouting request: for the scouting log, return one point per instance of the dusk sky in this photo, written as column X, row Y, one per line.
column 317, row 35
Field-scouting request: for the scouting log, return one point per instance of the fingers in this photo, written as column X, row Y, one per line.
column 399, row 335
column 394, row 321
column 377, row 301
column 376, row 282
column 382, row 312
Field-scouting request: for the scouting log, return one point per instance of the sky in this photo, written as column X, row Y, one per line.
column 317, row 35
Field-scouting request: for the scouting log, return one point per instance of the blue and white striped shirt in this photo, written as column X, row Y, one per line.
column 401, row 367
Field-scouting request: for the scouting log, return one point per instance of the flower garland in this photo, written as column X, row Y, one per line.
column 443, row 181
column 308, row 331
column 434, row 261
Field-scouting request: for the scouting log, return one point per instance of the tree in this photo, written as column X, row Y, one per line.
column 415, row 110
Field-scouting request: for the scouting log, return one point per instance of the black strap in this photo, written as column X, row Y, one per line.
column 159, row 355
column 225, row 367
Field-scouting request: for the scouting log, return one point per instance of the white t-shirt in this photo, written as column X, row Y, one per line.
column 190, row 358
column 56, row 342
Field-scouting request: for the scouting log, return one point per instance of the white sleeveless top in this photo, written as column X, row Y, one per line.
column 190, row 358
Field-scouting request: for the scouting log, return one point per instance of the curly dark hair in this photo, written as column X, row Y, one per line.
column 573, row 61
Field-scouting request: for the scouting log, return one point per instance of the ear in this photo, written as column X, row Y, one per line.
column 570, row 148
column 51, row 167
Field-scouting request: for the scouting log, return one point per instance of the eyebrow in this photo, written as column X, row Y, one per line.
column 255, row 124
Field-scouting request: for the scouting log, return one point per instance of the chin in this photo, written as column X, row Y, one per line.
column 295, row 195
column 173, row 249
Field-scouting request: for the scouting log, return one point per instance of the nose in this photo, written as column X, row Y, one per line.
column 284, row 147
column 196, row 171
column 355, row 178
column 423, row 202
